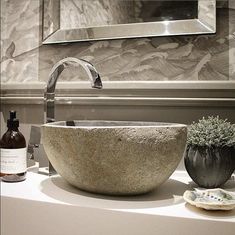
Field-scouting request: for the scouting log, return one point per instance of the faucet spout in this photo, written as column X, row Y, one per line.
column 49, row 94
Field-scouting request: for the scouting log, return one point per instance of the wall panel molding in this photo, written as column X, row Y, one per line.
column 130, row 93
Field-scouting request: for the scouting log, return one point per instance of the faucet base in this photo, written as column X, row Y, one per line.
column 46, row 171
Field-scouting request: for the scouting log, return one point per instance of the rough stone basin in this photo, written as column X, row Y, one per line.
column 114, row 157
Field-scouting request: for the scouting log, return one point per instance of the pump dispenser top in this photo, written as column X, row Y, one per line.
column 12, row 122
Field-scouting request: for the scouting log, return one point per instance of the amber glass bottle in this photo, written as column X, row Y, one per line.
column 13, row 152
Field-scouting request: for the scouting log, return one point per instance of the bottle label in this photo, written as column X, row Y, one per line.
column 13, row 161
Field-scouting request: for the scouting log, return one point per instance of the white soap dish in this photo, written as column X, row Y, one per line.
column 211, row 199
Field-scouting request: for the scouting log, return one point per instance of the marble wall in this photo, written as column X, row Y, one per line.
column 25, row 59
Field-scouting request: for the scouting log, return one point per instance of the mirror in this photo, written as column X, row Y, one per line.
column 87, row 20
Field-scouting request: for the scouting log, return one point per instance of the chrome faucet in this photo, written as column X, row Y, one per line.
column 49, row 94
column 49, row 107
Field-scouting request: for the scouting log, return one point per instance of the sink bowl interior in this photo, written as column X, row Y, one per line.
column 114, row 157
column 105, row 124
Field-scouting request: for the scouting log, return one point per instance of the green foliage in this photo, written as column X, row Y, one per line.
column 211, row 132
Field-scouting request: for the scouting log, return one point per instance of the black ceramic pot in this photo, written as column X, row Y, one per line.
column 209, row 167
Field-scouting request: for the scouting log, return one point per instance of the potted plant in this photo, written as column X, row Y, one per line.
column 210, row 153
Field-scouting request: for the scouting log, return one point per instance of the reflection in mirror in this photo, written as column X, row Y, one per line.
column 105, row 12
column 82, row 20
column 168, row 10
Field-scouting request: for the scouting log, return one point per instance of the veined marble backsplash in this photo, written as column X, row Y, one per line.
column 202, row 57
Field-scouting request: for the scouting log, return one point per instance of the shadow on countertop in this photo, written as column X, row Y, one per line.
column 167, row 194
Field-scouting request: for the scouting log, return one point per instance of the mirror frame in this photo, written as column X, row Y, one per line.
column 52, row 33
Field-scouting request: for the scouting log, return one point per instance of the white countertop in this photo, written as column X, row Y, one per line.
column 52, row 204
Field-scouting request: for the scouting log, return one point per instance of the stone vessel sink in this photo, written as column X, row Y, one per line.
column 114, row 157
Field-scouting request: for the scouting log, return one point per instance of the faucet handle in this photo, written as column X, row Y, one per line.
column 34, row 141
column 30, row 151
column 35, row 135
column 35, row 148
column 37, row 153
